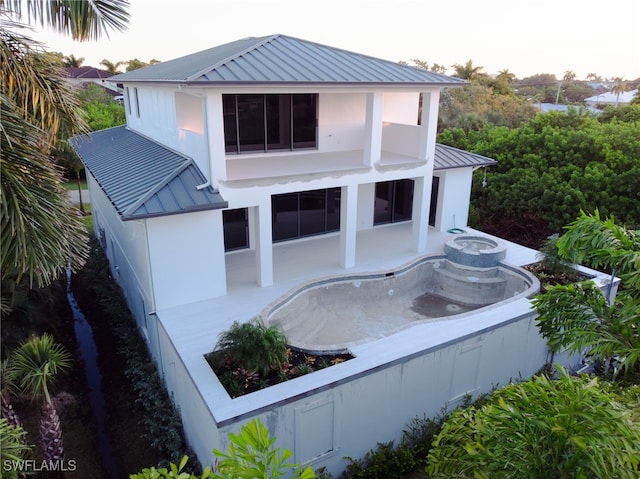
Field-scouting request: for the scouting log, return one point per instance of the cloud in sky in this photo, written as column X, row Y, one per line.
column 537, row 36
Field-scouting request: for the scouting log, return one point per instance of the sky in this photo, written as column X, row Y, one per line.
column 526, row 37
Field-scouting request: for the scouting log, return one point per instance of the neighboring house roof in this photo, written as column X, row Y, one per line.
column 283, row 60
column 612, row 98
column 87, row 73
column 448, row 157
column 547, row 107
column 142, row 178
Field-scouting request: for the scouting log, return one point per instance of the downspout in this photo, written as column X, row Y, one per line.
column 204, row 185
column 152, row 313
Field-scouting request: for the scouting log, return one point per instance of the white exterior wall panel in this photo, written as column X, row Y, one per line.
column 187, row 257
column 126, row 247
column 341, row 120
column 453, row 198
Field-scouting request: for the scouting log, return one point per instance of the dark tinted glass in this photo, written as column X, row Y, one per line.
column 230, row 131
column 251, row 122
column 236, row 229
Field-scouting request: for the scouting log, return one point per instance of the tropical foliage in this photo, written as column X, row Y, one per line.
column 252, row 454
column 580, row 317
column 36, row 365
column 552, row 167
column 100, row 110
column 13, row 449
column 254, row 346
column 552, row 428
column 41, row 232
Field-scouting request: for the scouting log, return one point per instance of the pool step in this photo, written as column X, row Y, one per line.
column 469, row 287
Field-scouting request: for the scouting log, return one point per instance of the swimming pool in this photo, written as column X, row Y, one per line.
column 334, row 313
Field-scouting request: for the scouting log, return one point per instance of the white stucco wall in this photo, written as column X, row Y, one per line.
column 401, row 107
column 341, row 118
column 453, row 198
column 186, row 257
column 126, row 247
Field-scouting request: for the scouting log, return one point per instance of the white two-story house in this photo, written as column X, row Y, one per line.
column 252, row 167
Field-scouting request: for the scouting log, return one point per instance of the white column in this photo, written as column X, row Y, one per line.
column 428, row 124
column 420, row 220
column 264, row 244
column 348, row 225
column 215, row 137
column 373, row 128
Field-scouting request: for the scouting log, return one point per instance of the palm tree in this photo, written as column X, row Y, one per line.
column 41, row 230
column 580, row 317
column 111, row 67
column 620, row 86
column 506, row 76
column 37, row 362
column 569, row 76
column 467, row 71
column 72, row 62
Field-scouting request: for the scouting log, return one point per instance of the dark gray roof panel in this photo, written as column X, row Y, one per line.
column 283, row 59
column 448, row 157
column 142, row 178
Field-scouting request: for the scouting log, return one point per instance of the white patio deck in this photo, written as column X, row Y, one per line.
column 195, row 327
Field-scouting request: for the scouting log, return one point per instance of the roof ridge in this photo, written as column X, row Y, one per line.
column 260, row 41
column 367, row 56
column 161, row 184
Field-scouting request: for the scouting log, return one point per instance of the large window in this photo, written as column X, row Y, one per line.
column 269, row 122
column 305, row 213
column 394, row 201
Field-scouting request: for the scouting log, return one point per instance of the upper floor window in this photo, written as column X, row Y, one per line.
column 136, row 101
column 270, row 122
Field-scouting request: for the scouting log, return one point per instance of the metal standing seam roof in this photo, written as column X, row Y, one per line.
column 142, row 178
column 284, row 60
column 448, row 157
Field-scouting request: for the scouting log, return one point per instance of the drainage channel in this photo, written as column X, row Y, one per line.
column 89, row 355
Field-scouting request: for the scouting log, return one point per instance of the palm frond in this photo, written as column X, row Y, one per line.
column 83, row 20
column 41, row 231
column 35, row 84
column 37, row 362
column 602, row 243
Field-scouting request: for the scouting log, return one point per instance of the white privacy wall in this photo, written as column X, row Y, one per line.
column 345, row 410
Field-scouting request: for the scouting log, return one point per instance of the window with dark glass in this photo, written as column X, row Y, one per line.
column 236, row 229
column 393, row 202
column 269, row 122
column 305, row 213
column 433, row 207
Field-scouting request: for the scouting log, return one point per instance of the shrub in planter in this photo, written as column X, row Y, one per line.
column 252, row 356
column 253, row 346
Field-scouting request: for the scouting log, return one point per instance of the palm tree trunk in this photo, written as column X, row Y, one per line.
column 9, row 413
column 51, row 439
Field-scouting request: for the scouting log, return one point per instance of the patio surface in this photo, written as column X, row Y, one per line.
column 380, row 249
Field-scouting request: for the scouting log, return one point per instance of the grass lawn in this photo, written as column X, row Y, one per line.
column 73, row 185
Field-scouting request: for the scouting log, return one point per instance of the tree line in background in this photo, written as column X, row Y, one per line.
column 71, row 61
column 550, row 168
